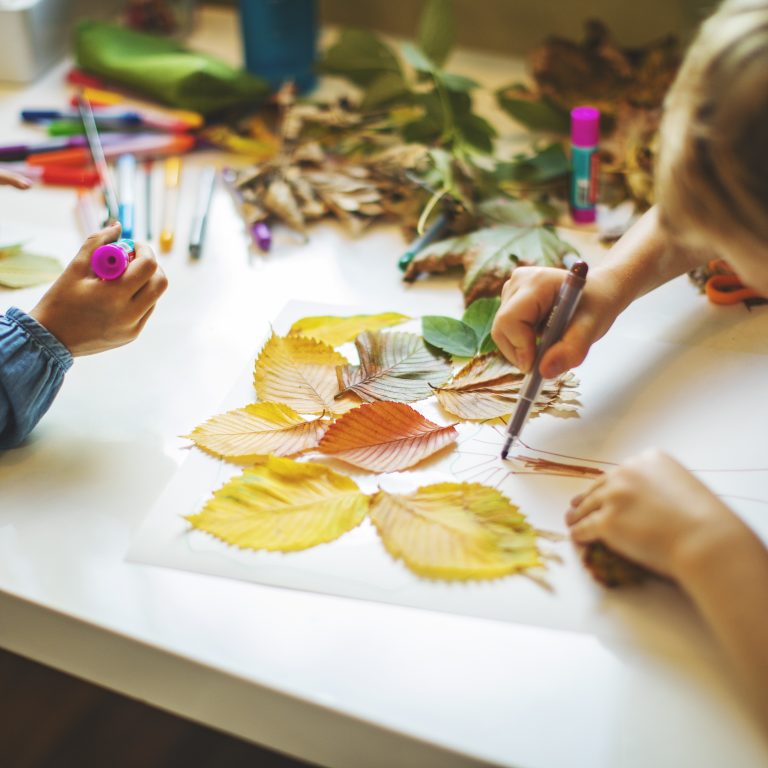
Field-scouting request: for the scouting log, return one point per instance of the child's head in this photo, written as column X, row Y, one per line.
column 712, row 174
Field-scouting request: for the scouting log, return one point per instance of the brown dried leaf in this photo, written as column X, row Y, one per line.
column 489, row 387
column 385, row 437
column 393, row 366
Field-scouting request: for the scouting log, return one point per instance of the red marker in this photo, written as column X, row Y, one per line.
column 57, row 175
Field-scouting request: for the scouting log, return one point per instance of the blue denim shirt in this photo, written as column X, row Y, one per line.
column 32, row 367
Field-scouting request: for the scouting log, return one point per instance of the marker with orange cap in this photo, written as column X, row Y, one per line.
column 170, row 200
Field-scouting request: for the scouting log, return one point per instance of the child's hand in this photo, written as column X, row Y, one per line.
column 14, row 179
column 655, row 512
column 527, row 299
column 90, row 315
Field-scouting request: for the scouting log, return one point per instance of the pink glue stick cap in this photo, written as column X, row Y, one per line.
column 110, row 261
column 585, row 126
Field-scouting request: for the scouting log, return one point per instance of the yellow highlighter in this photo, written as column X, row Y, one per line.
column 170, row 200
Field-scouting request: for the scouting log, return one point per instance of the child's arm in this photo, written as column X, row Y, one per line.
column 639, row 262
column 655, row 512
column 79, row 315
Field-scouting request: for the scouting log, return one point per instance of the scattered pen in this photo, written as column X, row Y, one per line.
column 434, row 231
column 202, row 206
column 10, row 152
column 172, row 177
column 561, row 314
column 144, row 146
column 126, row 183
column 109, row 114
column 97, row 152
column 148, row 199
column 260, row 232
column 55, row 175
column 86, row 212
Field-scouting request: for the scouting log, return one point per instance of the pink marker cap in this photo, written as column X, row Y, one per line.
column 585, row 126
column 110, row 261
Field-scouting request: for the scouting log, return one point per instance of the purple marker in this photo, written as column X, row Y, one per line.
column 262, row 235
column 111, row 260
column 585, row 162
column 11, row 152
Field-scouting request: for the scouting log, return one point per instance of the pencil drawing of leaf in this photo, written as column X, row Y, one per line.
column 394, row 366
column 385, row 437
column 300, row 373
column 246, row 434
column 283, row 505
column 489, row 386
column 455, row 531
column 339, row 330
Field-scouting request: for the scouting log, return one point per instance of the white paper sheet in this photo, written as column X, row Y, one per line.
column 702, row 404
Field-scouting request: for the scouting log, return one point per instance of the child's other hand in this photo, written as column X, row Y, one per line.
column 653, row 511
column 90, row 315
column 12, row 179
column 526, row 301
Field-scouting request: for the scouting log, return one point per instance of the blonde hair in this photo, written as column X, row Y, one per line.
column 712, row 170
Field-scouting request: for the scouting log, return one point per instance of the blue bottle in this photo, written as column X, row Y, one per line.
column 279, row 39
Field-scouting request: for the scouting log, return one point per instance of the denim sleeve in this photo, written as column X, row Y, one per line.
column 32, row 367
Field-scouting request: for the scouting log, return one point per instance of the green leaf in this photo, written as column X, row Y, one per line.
column 535, row 113
column 519, row 213
column 386, row 88
column 416, row 57
column 21, row 269
column 457, row 82
column 452, row 336
column 475, row 131
column 437, row 29
column 479, row 317
column 545, row 166
column 359, row 56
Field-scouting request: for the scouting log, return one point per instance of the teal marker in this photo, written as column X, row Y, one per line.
column 420, row 243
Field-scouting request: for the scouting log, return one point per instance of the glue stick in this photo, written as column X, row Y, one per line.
column 110, row 261
column 585, row 134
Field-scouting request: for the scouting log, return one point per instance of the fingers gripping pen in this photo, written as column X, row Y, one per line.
column 557, row 322
column 111, row 260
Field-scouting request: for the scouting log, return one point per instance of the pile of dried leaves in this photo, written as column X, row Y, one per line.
column 627, row 85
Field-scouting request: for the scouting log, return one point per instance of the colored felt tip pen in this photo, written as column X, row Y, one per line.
column 585, row 163
column 170, row 201
column 126, row 180
column 200, row 218
column 60, row 176
column 558, row 320
column 434, row 232
column 111, row 260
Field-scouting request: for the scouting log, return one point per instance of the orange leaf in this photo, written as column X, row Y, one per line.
column 385, row 437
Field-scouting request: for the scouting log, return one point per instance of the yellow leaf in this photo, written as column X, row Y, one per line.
column 300, row 373
column 338, row 330
column 385, row 437
column 489, row 386
column 455, row 531
column 283, row 505
column 246, row 434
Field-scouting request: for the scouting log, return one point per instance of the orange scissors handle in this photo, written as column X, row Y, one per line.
column 728, row 289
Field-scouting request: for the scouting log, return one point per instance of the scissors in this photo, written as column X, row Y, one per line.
column 724, row 286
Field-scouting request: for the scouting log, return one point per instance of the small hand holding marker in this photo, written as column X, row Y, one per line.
column 90, row 315
column 557, row 322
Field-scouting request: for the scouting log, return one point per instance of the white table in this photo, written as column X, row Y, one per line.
column 335, row 681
